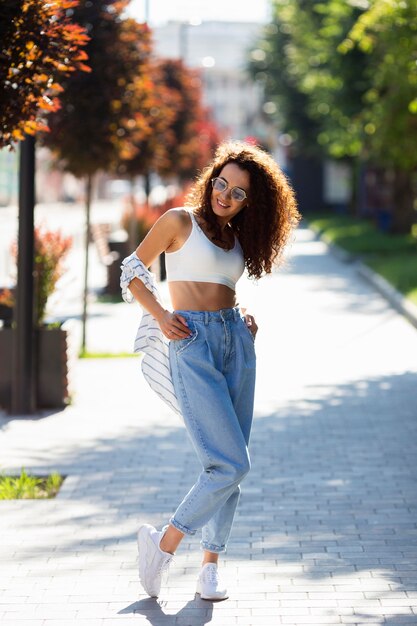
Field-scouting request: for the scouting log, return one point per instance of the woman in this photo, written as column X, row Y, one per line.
column 239, row 215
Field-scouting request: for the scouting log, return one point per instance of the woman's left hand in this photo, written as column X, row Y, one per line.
column 251, row 324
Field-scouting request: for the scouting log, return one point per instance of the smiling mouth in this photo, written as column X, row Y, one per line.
column 222, row 204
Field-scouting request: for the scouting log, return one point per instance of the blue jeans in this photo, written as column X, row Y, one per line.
column 214, row 379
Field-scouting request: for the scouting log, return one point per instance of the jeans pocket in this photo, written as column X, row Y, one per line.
column 248, row 330
column 181, row 344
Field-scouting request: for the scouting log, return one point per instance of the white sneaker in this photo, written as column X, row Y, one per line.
column 153, row 562
column 208, row 585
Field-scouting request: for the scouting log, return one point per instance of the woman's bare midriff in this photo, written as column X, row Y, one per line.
column 193, row 296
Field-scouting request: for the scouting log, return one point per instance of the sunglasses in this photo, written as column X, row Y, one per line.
column 236, row 193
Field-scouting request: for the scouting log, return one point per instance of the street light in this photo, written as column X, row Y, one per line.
column 23, row 380
column 183, row 36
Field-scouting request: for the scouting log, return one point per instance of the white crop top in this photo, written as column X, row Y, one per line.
column 200, row 260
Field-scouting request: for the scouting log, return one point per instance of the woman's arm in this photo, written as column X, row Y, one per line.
column 173, row 326
column 161, row 236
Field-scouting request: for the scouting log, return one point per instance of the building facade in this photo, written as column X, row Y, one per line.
column 220, row 51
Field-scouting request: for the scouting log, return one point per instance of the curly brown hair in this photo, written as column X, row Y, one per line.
column 264, row 226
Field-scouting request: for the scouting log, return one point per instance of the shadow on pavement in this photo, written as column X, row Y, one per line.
column 195, row 613
column 331, row 495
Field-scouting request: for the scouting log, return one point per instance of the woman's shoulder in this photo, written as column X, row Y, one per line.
column 178, row 216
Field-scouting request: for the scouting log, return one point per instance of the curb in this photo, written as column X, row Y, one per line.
column 396, row 299
column 337, row 251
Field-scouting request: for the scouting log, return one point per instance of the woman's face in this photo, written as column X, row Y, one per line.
column 224, row 206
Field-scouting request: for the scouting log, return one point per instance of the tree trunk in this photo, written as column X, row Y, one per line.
column 147, row 185
column 355, row 207
column 133, row 231
column 402, row 202
column 88, row 193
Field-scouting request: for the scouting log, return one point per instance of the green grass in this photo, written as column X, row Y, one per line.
column 360, row 236
column 106, row 298
column 400, row 271
column 106, row 355
column 29, row 487
column 392, row 256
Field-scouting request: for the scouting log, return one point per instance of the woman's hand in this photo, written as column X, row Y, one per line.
column 251, row 324
column 174, row 326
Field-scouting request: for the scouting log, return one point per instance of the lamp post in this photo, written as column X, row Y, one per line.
column 23, row 380
column 183, row 37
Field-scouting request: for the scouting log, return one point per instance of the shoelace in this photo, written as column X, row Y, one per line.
column 211, row 575
column 164, row 565
column 163, row 570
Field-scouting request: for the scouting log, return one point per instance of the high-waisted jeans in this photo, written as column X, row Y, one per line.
column 214, row 378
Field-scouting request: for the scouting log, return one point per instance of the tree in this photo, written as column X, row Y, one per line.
column 186, row 151
column 100, row 111
column 179, row 137
column 142, row 144
column 150, row 151
column 40, row 44
column 318, row 91
column 387, row 34
column 344, row 76
column 270, row 66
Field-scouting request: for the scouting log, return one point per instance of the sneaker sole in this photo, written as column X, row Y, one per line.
column 143, row 540
column 212, row 598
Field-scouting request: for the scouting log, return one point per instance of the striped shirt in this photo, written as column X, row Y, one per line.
column 149, row 338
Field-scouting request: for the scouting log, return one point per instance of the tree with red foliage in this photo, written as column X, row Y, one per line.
column 181, row 140
column 138, row 104
column 187, row 147
column 104, row 114
column 158, row 105
column 40, row 44
column 88, row 130
column 208, row 138
column 179, row 137
column 142, row 143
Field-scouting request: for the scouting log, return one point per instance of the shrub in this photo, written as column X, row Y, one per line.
column 51, row 249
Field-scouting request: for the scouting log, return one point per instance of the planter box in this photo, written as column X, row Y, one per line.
column 6, row 314
column 51, row 368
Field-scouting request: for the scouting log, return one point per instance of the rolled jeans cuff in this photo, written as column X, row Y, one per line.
column 181, row 528
column 210, row 547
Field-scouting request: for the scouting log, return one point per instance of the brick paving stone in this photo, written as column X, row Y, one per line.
column 326, row 531
column 27, row 622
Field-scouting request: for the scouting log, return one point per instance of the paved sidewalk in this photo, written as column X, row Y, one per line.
column 327, row 528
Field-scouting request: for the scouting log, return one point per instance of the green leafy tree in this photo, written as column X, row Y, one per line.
column 344, row 77
column 39, row 45
column 387, row 34
column 318, row 90
column 272, row 63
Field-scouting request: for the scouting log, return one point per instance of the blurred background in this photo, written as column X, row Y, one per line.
column 131, row 104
